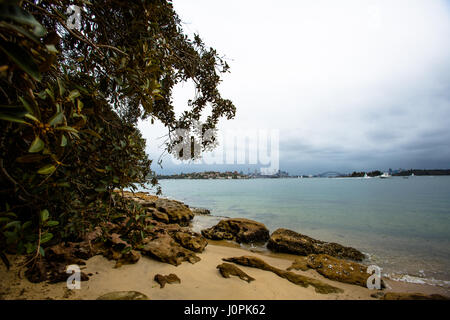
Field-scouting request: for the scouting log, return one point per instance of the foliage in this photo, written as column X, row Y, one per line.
column 70, row 101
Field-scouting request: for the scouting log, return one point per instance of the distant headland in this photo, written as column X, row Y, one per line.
column 283, row 174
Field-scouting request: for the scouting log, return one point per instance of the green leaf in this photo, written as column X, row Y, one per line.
column 61, row 87
column 63, row 141
column 26, row 105
column 14, row 12
column 80, row 105
column 21, row 30
column 21, row 58
column 31, row 247
column 49, row 91
column 4, row 219
column 26, row 225
column 67, row 128
column 37, row 145
column 12, row 118
column 48, row 169
column 46, row 237
column 29, row 158
column 73, row 94
column 52, row 223
column 63, row 184
column 41, row 251
column 51, row 48
column 44, row 215
column 29, row 116
column 56, row 119
column 15, row 224
column 9, row 214
column 93, row 133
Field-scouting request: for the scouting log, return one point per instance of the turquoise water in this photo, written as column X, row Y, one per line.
column 402, row 224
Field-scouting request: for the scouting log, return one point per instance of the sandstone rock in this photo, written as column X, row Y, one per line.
column 228, row 269
column 191, row 240
column 299, row 264
column 319, row 286
column 123, row 295
column 284, row 240
column 200, row 211
column 165, row 249
column 162, row 280
column 412, row 296
column 239, row 230
column 175, row 211
column 338, row 269
column 158, row 215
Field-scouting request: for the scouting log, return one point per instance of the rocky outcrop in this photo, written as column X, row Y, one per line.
column 191, row 240
column 164, row 210
column 52, row 267
column 200, row 211
column 162, row 280
column 123, row 295
column 319, row 286
column 299, row 264
column 288, row 241
column 228, row 269
column 411, row 296
column 334, row 269
column 158, row 215
column 165, row 249
column 239, row 230
column 177, row 211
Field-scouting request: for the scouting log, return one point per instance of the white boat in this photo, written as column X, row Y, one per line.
column 366, row 176
column 385, row 175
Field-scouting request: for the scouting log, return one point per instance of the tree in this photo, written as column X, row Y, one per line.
column 70, row 100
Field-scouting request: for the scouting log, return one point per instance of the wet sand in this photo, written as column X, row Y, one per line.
column 201, row 280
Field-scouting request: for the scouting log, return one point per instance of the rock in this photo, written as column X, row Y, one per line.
column 200, row 211
column 412, row 296
column 299, row 264
column 377, row 295
column 191, row 240
column 162, row 280
column 319, row 286
column 117, row 242
column 129, row 257
column 284, row 240
column 158, row 215
column 52, row 267
column 51, row 271
column 175, row 211
column 338, row 269
column 123, row 295
column 239, row 230
column 228, row 269
column 165, row 249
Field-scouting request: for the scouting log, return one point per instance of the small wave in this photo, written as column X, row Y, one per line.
column 418, row 280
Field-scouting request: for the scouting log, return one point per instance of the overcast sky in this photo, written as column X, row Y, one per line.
column 349, row 84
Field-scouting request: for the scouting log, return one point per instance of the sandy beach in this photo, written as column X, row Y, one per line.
column 201, row 280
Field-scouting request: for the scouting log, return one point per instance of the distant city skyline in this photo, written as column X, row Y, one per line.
column 351, row 85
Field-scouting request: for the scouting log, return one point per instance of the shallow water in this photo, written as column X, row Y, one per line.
column 402, row 224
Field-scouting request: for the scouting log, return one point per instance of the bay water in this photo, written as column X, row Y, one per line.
column 401, row 224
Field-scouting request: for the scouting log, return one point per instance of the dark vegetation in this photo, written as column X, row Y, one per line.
column 70, row 100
